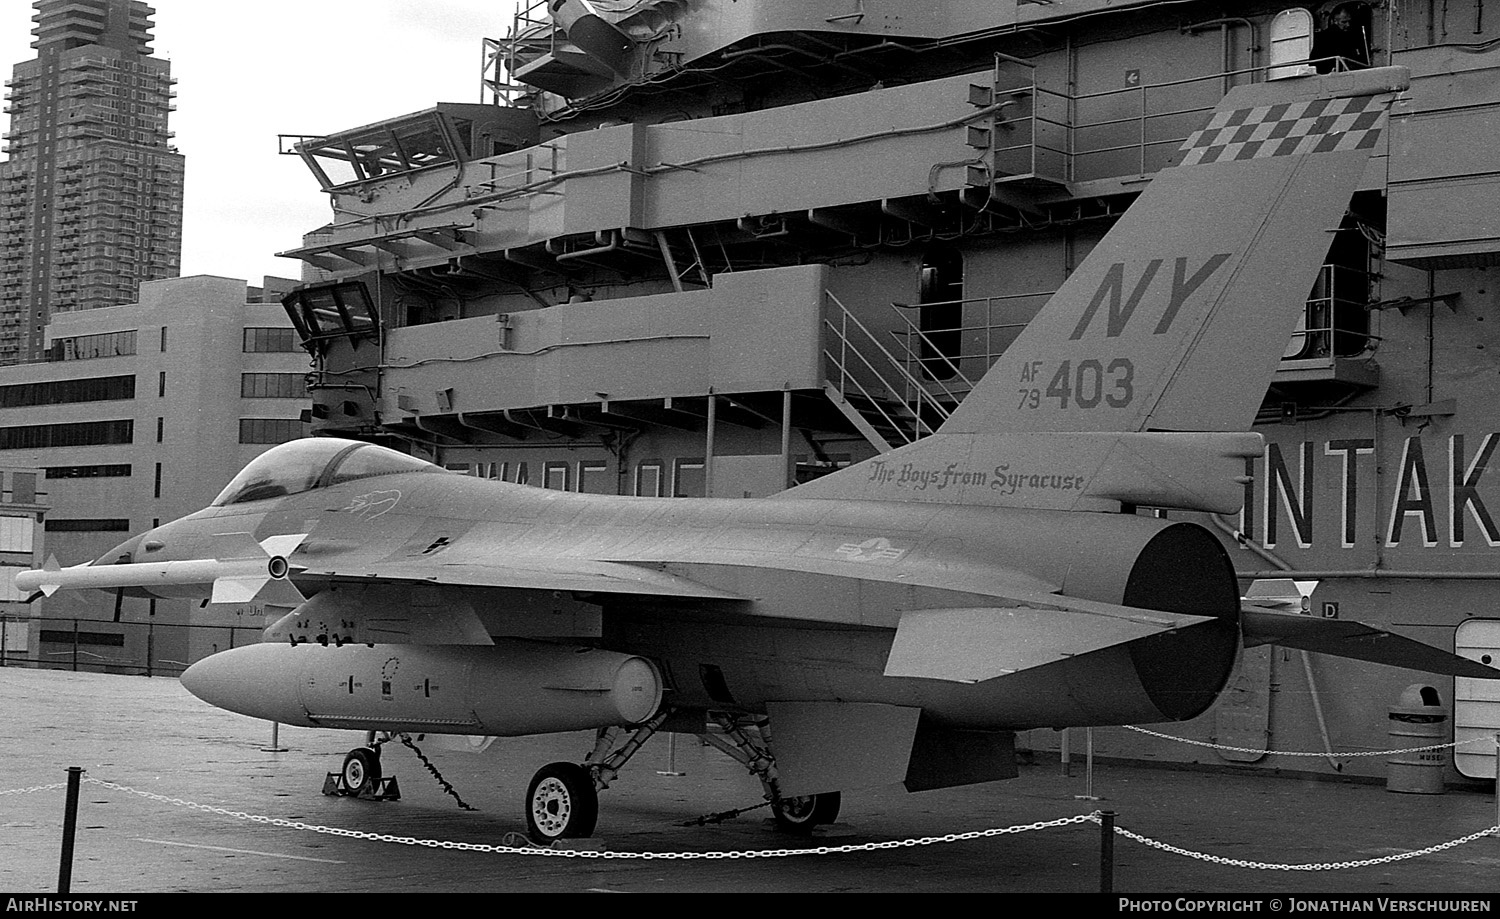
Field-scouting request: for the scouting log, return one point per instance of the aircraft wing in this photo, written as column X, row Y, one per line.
column 1028, row 625
column 1345, row 638
column 570, row 574
column 647, row 576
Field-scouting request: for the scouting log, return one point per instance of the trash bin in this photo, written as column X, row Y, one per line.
column 1417, row 720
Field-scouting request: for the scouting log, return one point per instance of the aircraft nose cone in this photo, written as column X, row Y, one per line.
column 257, row 680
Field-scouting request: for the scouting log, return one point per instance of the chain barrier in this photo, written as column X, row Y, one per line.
column 1320, row 755
column 588, row 853
column 514, row 844
column 27, row 791
column 1316, row 866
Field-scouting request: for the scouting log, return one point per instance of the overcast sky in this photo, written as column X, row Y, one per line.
column 247, row 72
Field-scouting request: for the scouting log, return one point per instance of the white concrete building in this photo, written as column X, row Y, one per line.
column 141, row 414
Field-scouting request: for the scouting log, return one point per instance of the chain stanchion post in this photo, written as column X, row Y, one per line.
column 1088, row 762
column 1088, row 768
column 70, row 827
column 671, row 756
column 1497, row 783
column 275, row 746
column 1106, row 852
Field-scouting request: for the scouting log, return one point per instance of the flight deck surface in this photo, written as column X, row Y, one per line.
column 178, row 797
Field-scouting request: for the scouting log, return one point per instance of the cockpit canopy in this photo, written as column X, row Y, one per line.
column 314, row 462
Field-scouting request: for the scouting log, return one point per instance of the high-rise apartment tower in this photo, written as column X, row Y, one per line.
column 91, row 194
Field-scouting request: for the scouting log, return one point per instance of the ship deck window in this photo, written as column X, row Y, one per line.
column 321, row 314
column 402, row 145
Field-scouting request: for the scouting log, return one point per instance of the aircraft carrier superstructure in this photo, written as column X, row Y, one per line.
column 716, row 247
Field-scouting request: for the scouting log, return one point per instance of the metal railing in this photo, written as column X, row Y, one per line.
column 1035, row 116
column 914, row 368
column 986, row 327
column 860, row 363
column 148, row 648
column 920, row 370
column 1162, row 116
column 532, row 35
column 1051, row 132
column 1336, row 322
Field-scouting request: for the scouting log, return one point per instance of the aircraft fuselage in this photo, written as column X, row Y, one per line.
column 825, row 582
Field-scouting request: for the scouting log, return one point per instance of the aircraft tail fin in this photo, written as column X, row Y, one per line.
column 1178, row 317
column 1175, row 322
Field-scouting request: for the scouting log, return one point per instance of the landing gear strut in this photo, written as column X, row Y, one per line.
column 798, row 815
column 562, row 801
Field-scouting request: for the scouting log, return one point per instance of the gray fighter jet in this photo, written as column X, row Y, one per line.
column 896, row 621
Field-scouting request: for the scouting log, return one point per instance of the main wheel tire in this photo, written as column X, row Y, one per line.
column 361, row 771
column 800, row 815
column 561, row 803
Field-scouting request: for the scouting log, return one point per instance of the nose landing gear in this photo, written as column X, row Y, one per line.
column 361, row 772
column 360, row 777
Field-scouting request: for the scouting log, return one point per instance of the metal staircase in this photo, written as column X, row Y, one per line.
column 876, row 387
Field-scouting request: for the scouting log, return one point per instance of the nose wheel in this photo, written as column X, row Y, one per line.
column 561, row 803
column 361, row 772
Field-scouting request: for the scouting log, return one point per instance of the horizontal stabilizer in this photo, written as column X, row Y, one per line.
column 972, row 645
column 1346, row 638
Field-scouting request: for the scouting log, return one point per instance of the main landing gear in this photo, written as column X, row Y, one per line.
column 562, row 801
column 799, row 815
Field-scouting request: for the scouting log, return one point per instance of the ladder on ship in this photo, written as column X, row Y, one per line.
column 878, row 389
